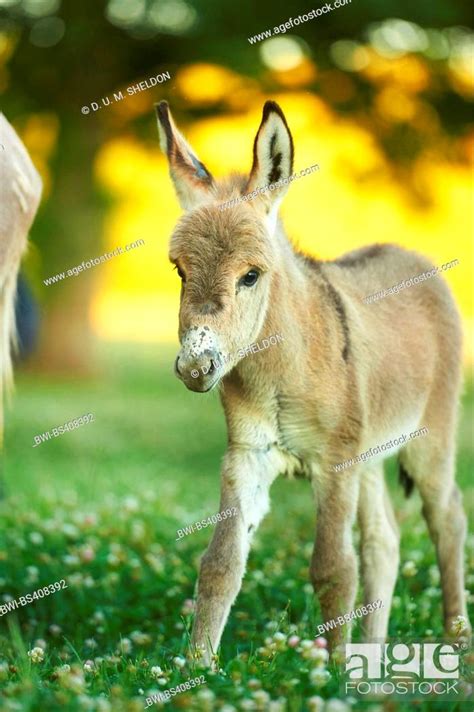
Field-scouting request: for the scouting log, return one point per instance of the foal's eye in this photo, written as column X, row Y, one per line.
column 249, row 279
column 180, row 273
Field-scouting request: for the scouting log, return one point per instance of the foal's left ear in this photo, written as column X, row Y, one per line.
column 192, row 180
column 272, row 153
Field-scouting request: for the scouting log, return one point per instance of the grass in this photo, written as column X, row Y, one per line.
column 100, row 507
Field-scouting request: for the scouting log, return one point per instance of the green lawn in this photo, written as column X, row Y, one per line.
column 100, row 506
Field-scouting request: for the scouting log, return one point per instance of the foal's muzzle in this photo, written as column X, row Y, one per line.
column 198, row 362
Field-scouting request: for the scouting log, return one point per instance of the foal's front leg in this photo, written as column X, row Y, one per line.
column 334, row 563
column 245, row 482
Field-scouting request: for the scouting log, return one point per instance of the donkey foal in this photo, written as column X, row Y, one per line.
column 347, row 376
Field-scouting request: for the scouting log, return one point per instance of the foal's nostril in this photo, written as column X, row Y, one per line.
column 176, row 365
column 212, row 367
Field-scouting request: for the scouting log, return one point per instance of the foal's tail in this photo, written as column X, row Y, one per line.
column 405, row 480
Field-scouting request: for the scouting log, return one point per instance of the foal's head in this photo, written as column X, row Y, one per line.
column 224, row 256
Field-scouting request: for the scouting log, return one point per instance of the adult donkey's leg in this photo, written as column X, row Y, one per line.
column 245, row 483
column 334, row 564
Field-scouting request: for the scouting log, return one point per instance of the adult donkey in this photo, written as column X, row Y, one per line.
column 19, row 199
column 348, row 376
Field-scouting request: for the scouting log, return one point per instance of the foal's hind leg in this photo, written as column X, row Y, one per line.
column 379, row 549
column 430, row 462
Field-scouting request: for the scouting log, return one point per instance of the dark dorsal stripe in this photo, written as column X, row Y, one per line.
column 362, row 255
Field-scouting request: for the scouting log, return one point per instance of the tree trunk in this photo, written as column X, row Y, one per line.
column 74, row 212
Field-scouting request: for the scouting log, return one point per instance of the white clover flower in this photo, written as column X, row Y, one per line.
column 32, row 574
column 40, row 643
column 89, row 666
column 247, row 704
column 140, row 638
column 70, row 530
column 409, row 569
column 319, row 676
column 125, row 645
column 103, row 705
column 459, row 624
column 64, row 669
column 71, row 560
column 279, row 641
column 307, row 644
column 315, row 704
column 433, row 575
column 334, row 705
column 271, row 625
column 90, row 643
column 317, row 655
column 155, row 563
column 74, row 681
column 156, row 671
column 277, row 706
column 36, row 538
column 86, row 703
column 3, row 670
column 36, row 655
column 206, row 695
column 253, row 683
column 261, row 697
column 76, row 579
column 138, row 532
column 131, row 504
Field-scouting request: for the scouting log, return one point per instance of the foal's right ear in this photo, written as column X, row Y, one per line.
column 192, row 180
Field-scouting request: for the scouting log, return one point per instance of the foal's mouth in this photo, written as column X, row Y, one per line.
column 195, row 387
column 197, row 380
